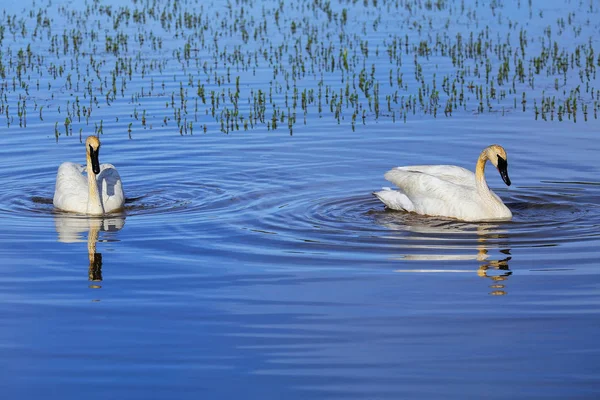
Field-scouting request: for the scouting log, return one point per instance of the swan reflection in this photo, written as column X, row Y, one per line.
column 498, row 271
column 430, row 239
column 73, row 228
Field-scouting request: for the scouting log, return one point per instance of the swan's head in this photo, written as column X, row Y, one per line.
column 497, row 156
column 92, row 144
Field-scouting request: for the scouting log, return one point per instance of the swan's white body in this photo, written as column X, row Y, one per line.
column 95, row 194
column 72, row 192
column 447, row 190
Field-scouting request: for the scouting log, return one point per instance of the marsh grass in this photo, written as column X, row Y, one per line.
column 240, row 65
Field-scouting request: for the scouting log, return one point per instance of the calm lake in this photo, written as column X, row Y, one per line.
column 252, row 260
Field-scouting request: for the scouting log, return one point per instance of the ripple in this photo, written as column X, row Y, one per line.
column 187, row 198
column 355, row 226
column 271, row 214
column 192, row 198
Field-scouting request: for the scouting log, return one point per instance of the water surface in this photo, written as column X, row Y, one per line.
column 258, row 264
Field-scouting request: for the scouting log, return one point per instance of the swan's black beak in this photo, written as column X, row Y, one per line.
column 503, row 169
column 95, row 161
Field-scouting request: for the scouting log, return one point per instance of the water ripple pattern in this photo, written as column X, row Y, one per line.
column 280, row 200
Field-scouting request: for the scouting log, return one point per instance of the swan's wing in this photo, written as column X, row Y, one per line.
column 109, row 184
column 431, row 195
column 450, row 173
column 71, row 191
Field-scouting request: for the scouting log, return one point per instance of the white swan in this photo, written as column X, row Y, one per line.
column 449, row 190
column 100, row 193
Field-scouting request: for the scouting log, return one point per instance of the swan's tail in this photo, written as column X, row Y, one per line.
column 394, row 199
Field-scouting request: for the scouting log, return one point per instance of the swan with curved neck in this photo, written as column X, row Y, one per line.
column 99, row 193
column 449, row 190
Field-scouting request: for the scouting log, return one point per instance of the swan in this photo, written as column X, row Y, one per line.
column 449, row 190
column 100, row 193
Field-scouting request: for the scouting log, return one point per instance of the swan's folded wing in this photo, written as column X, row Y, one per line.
column 432, row 195
column 109, row 183
column 70, row 193
column 450, row 173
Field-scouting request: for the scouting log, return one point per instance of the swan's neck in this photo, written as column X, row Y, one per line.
column 94, row 205
column 482, row 186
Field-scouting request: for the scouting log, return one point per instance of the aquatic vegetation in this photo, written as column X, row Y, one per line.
column 240, row 65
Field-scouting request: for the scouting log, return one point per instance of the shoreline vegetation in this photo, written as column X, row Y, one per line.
column 229, row 66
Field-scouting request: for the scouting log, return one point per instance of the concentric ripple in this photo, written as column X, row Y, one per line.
column 356, row 226
column 335, row 222
column 285, row 208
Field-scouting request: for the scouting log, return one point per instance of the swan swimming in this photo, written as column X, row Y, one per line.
column 100, row 193
column 449, row 190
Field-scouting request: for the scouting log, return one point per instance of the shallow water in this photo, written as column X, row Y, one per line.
column 258, row 265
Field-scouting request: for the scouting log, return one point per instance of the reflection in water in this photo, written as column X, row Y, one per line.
column 498, row 278
column 449, row 240
column 70, row 229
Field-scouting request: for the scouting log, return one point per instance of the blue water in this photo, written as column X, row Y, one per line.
column 258, row 264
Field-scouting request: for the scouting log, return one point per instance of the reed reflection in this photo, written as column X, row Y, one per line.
column 430, row 239
column 72, row 229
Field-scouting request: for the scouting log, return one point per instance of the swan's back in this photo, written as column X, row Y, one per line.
column 450, row 173
column 421, row 184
